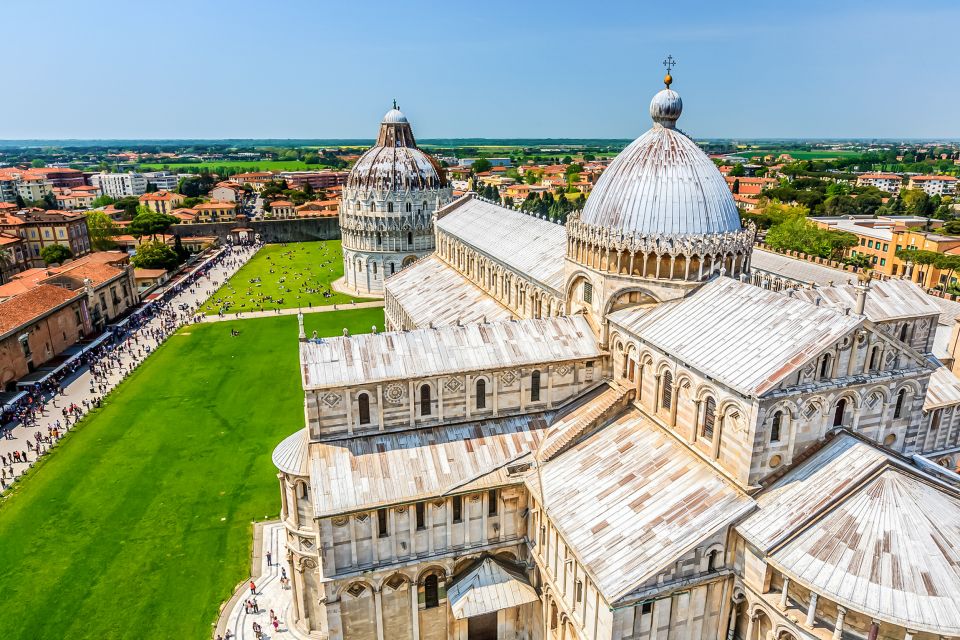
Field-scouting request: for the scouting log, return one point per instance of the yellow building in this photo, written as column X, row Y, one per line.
column 162, row 201
column 216, row 211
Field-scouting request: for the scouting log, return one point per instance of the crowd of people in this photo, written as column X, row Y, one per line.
column 126, row 345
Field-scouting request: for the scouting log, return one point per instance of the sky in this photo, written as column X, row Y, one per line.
column 531, row 69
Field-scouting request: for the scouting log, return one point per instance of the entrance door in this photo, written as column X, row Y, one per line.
column 482, row 627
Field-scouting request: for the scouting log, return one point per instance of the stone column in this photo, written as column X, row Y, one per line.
column 812, row 609
column 838, row 626
column 751, row 623
column 415, row 606
column 732, row 625
column 874, row 630
column 378, row 618
column 783, row 593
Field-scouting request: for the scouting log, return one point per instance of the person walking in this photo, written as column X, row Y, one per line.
column 253, row 588
column 269, row 559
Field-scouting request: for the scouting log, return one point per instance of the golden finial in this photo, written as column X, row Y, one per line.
column 669, row 63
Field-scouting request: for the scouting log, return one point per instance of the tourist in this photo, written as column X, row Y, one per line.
column 269, row 557
column 253, row 588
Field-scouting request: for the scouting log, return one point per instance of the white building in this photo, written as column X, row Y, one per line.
column 119, row 185
column 386, row 214
column 889, row 182
column 935, row 185
column 163, row 180
column 603, row 431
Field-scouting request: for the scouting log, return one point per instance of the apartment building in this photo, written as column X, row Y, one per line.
column 889, row 182
column 216, row 211
column 39, row 229
column 935, row 185
column 162, row 180
column 162, row 201
column 316, row 179
column 120, row 185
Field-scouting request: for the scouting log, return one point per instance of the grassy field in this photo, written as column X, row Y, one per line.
column 241, row 165
column 302, row 272
column 139, row 525
column 798, row 155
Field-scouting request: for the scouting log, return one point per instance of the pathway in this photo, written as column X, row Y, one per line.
column 78, row 388
column 244, row 315
column 270, row 594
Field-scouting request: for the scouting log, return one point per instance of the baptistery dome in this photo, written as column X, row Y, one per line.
column 662, row 184
column 395, row 162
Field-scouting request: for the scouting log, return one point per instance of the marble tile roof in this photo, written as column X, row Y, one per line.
column 867, row 530
column 746, row 337
column 529, row 246
column 366, row 472
column 432, row 293
column 886, row 300
column 401, row 355
column 490, row 586
column 631, row 500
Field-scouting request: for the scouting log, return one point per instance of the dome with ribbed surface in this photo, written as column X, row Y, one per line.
column 395, row 163
column 662, row 184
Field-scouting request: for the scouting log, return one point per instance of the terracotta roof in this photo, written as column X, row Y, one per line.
column 32, row 305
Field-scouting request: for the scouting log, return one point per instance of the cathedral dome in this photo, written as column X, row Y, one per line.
column 395, row 163
column 662, row 184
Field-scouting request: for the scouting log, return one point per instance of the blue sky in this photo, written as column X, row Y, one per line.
column 320, row 69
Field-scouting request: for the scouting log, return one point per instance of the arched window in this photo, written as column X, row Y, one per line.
column 389, row 207
column 775, row 426
column 409, row 207
column 712, row 560
column 410, row 238
column 392, row 269
column 481, row 394
column 535, row 386
column 379, row 238
column 825, row 365
column 898, row 408
column 903, row 332
column 304, row 490
column 875, row 358
column 935, row 419
column 431, row 592
column 374, row 268
column 709, row 418
column 666, row 390
column 425, row 402
column 838, row 414
column 363, row 408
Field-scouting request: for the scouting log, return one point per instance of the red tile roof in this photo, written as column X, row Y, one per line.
column 33, row 305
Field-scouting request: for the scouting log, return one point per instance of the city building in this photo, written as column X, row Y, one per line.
column 227, row 192
column 889, row 182
column 120, row 185
column 162, row 201
column 599, row 430
column 386, row 212
column 14, row 256
column 316, row 179
column 73, row 199
column 162, row 180
column 215, row 211
column 40, row 228
column 281, row 209
column 106, row 277
column 880, row 238
column 257, row 179
column 935, row 185
column 30, row 185
column 62, row 177
column 38, row 325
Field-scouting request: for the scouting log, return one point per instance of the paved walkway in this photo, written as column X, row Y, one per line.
column 244, row 315
column 236, row 619
column 79, row 387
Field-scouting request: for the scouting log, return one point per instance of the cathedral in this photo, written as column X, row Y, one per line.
column 386, row 214
column 605, row 430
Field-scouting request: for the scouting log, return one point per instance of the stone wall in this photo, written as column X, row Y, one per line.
column 299, row 230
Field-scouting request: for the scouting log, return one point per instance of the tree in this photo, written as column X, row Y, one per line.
column 797, row 233
column 916, row 202
column 101, row 230
column 573, row 168
column 55, row 254
column 480, row 165
column 102, row 201
column 129, row 204
column 566, row 160
column 37, row 163
column 150, row 223
column 950, row 264
column 737, row 171
column 155, row 255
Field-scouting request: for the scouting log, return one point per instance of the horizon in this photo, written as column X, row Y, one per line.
column 330, row 72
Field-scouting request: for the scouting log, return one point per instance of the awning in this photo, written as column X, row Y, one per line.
column 489, row 587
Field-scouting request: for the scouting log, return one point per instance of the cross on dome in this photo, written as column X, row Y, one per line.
column 669, row 63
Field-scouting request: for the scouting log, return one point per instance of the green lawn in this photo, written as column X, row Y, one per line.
column 139, row 525
column 243, row 166
column 302, row 272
